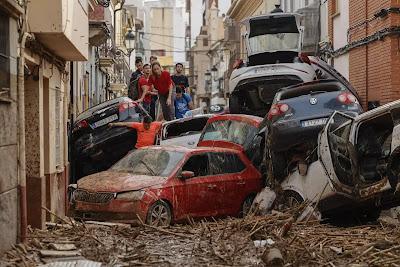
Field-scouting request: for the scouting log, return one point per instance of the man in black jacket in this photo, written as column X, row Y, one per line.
column 139, row 69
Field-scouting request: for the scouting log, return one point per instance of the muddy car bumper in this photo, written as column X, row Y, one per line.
column 289, row 134
column 116, row 211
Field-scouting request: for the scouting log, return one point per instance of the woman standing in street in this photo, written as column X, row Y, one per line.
column 162, row 82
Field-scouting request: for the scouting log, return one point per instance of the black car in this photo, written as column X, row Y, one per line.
column 298, row 114
column 95, row 146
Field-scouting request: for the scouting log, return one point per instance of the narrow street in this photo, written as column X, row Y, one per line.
column 200, row 133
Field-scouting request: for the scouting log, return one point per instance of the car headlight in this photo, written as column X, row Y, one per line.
column 131, row 195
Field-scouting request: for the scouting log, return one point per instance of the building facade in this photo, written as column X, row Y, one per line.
column 35, row 91
column 363, row 46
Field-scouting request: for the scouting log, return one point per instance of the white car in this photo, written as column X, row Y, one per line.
column 183, row 132
column 274, row 43
column 358, row 166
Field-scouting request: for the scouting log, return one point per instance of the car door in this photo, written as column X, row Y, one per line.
column 339, row 156
column 202, row 194
column 337, row 153
column 227, row 169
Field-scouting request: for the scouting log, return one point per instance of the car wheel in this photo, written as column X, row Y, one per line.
column 279, row 165
column 159, row 214
column 246, row 206
column 292, row 199
column 234, row 104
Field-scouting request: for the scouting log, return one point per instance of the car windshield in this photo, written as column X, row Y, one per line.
column 151, row 162
column 310, row 89
column 185, row 127
column 238, row 132
column 274, row 42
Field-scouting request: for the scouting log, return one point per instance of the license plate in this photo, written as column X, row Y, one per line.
column 105, row 121
column 316, row 122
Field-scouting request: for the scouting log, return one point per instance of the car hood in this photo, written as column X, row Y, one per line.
column 110, row 181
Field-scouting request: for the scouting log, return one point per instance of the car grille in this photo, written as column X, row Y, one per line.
column 85, row 196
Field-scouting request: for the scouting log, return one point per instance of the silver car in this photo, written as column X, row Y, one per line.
column 274, row 44
column 183, row 132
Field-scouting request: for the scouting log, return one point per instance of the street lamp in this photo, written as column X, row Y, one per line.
column 130, row 41
column 129, row 44
column 214, row 71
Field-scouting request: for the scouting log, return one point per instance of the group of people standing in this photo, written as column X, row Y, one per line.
column 156, row 85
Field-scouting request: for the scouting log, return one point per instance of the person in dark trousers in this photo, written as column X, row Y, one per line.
column 146, row 130
column 161, row 81
column 183, row 103
column 139, row 69
column 154, row 98
column 145, row 92
column 179, row 78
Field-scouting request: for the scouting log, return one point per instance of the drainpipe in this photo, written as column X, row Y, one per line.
column 21, row 135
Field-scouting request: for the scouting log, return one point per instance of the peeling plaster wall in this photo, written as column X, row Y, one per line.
column 46, row 140
column 9, row 204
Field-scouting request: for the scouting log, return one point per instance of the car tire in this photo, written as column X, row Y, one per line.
column 247, row 204
column 235, row 104
column 279, row 165
column 159, row 214
column 292, row 199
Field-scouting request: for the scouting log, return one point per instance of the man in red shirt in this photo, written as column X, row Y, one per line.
column 146, row 131
column 145, row 91
column 162, row 82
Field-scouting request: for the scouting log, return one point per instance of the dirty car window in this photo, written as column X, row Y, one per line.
column 237, row 132
column 152, row 162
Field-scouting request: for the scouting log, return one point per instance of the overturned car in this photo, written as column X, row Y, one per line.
column 274, row 45
column 357, row 167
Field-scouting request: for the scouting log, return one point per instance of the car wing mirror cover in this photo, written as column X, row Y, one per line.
column 186, row 175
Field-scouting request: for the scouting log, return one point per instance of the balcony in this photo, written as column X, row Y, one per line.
column 62, row 26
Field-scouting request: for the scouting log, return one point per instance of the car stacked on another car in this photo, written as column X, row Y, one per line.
column 357, row 171
column 274, row 45
column 95, row 146
column 298, row 114
column 183, row 132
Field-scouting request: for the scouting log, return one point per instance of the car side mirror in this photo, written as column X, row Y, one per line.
column 186, row 175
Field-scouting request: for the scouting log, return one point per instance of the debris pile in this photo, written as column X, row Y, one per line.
column 277, row 239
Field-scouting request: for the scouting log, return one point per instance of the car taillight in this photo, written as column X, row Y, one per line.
column 82, row 124
column 125, row 105
column 347, row 99
column 277, row 110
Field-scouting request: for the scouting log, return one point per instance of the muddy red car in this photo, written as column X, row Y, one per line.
column 163, row 185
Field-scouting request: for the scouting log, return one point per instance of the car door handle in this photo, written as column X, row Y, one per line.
column 211, row 186
column 241, row 183
column 190, row 143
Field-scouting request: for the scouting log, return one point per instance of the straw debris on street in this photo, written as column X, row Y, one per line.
column 272, row 240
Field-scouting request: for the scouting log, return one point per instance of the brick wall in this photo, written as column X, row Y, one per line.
column 374, row 69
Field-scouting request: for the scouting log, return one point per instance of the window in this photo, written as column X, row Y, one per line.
column 151, row 162
column 205, row 42
column 223, row 163
column 335, row 7
column 198, row 164
column 4, row 54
